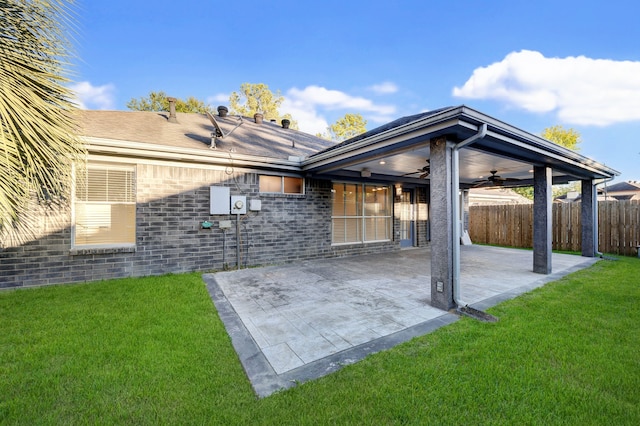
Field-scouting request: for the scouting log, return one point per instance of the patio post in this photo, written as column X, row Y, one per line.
column 542, row 219
column 589, row 218
column 441, row 224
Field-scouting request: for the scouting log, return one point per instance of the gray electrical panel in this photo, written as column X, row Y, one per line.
column 219, row 200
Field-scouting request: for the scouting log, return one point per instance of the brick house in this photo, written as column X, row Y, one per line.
column 628, row 190
column 170, row 193
column 620, row 191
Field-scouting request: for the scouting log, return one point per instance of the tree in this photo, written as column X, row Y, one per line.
column 159, row 101
column 38, row 139
column 258, row 98
column 345, row 128
column 348, row 126
column 568, row 138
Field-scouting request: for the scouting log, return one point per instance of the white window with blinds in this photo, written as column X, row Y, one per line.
column 104, row 213
column 361, row 213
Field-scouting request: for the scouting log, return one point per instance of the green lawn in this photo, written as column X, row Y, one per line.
column 153, row 351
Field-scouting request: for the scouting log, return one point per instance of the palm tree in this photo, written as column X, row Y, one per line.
column 38, row 138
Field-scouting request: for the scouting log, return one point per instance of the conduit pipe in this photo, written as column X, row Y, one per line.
column 455, row 202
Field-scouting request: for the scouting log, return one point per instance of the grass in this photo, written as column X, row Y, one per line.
column 153, row 351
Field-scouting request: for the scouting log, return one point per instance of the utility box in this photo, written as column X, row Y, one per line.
column 219, row 200
column 238, row 204
column 255, row 205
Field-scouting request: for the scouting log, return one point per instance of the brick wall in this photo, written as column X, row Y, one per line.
column 171, row 204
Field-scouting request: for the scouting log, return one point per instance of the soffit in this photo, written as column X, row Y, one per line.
column 399, row 153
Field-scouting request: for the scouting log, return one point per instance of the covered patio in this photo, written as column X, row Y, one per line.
column 301, row 321
column 449, row 150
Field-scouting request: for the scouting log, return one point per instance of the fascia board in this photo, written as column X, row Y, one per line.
column 574, row 161
column 171, row 153
column 537, row 143
column 385, row 143
column 415, row 126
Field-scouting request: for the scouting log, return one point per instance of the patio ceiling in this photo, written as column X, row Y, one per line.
column 397, row 151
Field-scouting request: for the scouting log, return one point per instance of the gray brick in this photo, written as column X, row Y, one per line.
column 169, row 238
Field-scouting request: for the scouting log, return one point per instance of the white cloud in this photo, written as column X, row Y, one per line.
column 580, row 90
column 308, row 118
column 307, row 106
column 94, row 97
column 220, row 98
column 384, row 88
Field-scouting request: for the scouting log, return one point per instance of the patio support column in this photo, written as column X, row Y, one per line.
column 589, row 218
column 441, row 224
column 542, row 220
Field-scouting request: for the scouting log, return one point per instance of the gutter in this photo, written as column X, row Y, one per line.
column 190, row 155
column 455, row 202
column 415, row 126
column 536, row 142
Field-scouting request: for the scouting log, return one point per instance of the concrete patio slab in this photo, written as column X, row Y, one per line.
column 297, row 322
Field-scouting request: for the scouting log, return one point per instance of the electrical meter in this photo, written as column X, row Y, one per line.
column 238, row 204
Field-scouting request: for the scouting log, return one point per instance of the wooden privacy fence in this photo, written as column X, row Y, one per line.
column 512, row 225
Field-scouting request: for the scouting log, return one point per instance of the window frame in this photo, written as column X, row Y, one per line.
column 361, row 216
column 130, row 200
column 282, row 184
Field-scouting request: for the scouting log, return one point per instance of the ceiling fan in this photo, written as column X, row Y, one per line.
column 424, row 171
column 493, row 180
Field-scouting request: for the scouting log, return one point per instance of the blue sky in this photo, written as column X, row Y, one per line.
column 532, row 64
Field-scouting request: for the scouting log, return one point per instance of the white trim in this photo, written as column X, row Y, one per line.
column 360, row 243
column 325, row 160
column 192, row 155
column 361, row 217
column 103, row 165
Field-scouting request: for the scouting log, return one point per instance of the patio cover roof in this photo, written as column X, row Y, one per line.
column 404, row 146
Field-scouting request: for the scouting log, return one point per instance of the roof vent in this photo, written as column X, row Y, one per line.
column 258, row 117
column 285, row 123
column 172, row 110
column 223, row 111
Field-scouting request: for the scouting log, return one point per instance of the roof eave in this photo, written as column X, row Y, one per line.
column 538, row 143
column 190, row 155
column 454, row 120
column 385, row 140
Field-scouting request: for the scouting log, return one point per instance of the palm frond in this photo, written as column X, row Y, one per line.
column 38, row 137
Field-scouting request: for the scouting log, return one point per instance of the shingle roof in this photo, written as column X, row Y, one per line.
column 624, row 186
column 194, row 131
column 389, row 126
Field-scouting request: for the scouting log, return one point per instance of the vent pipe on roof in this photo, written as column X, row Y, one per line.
column 258, row 117
column 285, row 123
column 172, row 110
column 223, row 111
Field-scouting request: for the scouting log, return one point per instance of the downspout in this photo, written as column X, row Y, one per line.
column 605, row 181
column 455, row 201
